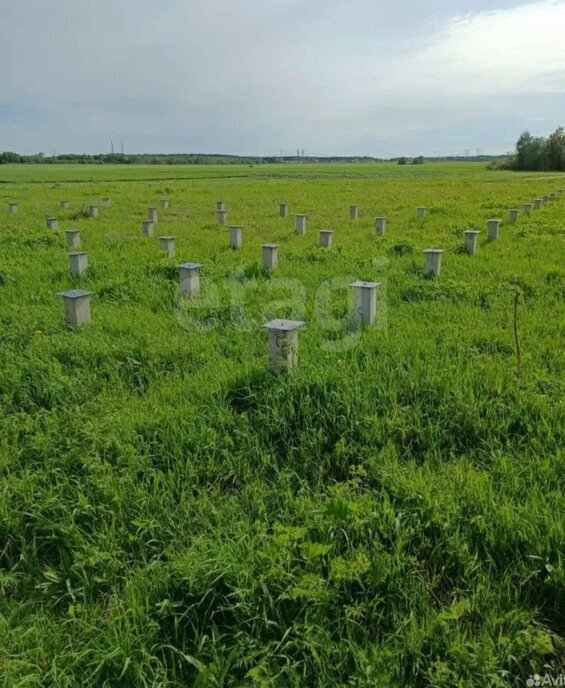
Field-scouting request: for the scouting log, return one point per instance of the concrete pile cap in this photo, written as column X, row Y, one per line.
column 235, row 227
column 365, row 285
column 284, row 325
column 433, row 250
column 167, row 237
column 74, row 293
column 495, row 219
column 326, row 231
column 190, row 266
column 271, row 245
column 77, row 253
column 72, row 231
column 472, row 231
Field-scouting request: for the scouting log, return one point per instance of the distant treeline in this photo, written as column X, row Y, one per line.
column 420, row 160
column 121, row 159
column 538, row 153
column 214, row 159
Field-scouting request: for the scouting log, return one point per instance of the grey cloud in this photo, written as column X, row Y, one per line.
column 242, row 76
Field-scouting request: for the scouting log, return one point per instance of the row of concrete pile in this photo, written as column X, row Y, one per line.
column 283, row 334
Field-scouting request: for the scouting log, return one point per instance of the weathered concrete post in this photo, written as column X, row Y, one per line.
column 164, row 203
column 380, row 226
column 471, row 241
column 52, row 223
column 148, row 228
column 433, row 261
column 64, row 205
column 77, row 306
column 236, row 237
column 552, row 197
column 301, row 224
column 326, row 238
column 538, row 203
column 222, row 216
column 93, row 210
column 270, row 256
column 283, row 209
column 353, row 212
column 106, row 202
column 421, row 213
column 152, row 214
column 283, row 344
column 365, row 302
column 514, row 215
column 168, row 245
column 78, row 263
column 73, row 238
column 189, row 274
column 545, row 200
column 12, row 208
column 493, row 229
column 528, row 209
column 220, row 205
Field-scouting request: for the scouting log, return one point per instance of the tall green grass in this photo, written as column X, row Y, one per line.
column 171, row 514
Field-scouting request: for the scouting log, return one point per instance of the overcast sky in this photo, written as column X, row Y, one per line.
column 340, row 77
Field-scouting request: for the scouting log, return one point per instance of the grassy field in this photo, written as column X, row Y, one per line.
column 172, row 514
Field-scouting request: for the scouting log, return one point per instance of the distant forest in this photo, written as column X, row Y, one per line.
column 215, row 159
column 538, row 153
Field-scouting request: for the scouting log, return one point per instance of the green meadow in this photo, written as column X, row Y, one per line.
column 173, row 514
